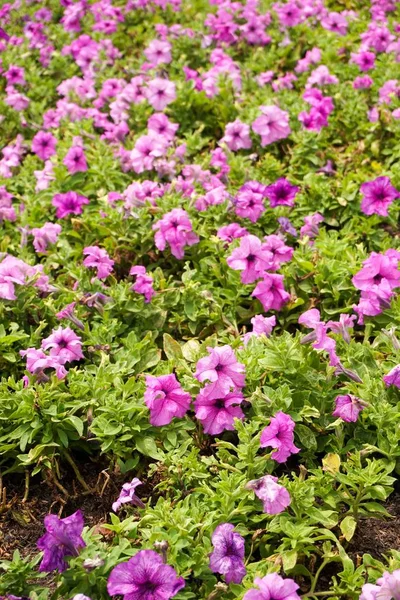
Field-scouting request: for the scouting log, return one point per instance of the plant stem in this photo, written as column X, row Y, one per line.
column 76, row 471
column 27, row 480
column 316, row 576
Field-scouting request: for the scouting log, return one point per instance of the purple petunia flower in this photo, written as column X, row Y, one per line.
column 270, row 292
column 393, row 377
column 128, row 495
column 47, row 234
column 251, row 258
column 62, row 539
column 237, row 136
column 231, row 232
column 160, row 93
column 222, row 369
column 261, row 326
column 165, row 399
column 144, row 577
column 281, row 193
column 272, row 125
column 68, row 313
column 69, row 203
column 37, row 361
column 279, row 435
column 98, row 259
column 44, row 145
column 75, row 160
column 249, row 201
column 275, row 497
column 227, row 557
column 348, row 408
column 64, row 344
column 273, row 587
column 143, row 284
column 175, row 229
column 217, row 412
column 378, row 195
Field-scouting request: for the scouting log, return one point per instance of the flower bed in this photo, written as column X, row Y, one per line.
column 199, row 276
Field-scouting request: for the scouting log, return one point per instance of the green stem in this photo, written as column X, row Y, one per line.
column 316, row 576
column 27, row 480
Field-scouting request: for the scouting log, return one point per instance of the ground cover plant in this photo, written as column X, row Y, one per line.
column 199, row 309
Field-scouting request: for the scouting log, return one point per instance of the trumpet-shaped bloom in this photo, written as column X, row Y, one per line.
column 273, row 587
column 227, row 557
column 165, row 399
column 62, row 538
column 279, row 435
column 222, row 369
column 144, row 577
column 275, row 497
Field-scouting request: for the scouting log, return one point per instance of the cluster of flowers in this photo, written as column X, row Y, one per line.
column 255, row 260
column 64, row 346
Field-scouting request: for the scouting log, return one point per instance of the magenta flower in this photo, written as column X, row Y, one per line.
column 393, row 377
column 62, row 538
column 160, row 93
column 281, row 193
column 64, row 344
column 271, row 293
column 310, row 227
column 146, row 150
column 128, row 495
column 15, row 75
column 161, row 125
column 261, row 326
column 378, row 195
column 75, row 160
column 273, row 587
column 231, row 232
column 227, row 557
column 44, row 145
column 348, row 408
column 342, row 326
column 37, row 362
column 217, row 411
column 251, row 258
column 47, row 234
column 175, row 229
column 222, row 369
column 98, row 259
column 249, row 201
column 378, row 270
column 158, row 52
column 144, row 577
column 280, row 253
column 165, row 399
column 69, row 203
column 275, row 497
column 279, row 435
column 15, row 271
column 365, row 60
column 68, row 313
column 273, row 125
column 237, row 136
column 143, row 284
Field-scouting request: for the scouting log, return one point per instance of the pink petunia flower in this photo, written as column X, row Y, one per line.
column 69, row 203
column 279, row 435
column 175, row 229
column 222, row 369
column 272, row 125
column 217, row 414
column 251, row 258
column 271, row 293
column 64, row 344
column 98, row 258
column 275, row 497
column 165, row 399
column 44, row 145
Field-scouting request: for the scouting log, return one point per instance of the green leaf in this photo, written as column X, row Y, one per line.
column 147, row 446
column 348, row 527
column 172, row 348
